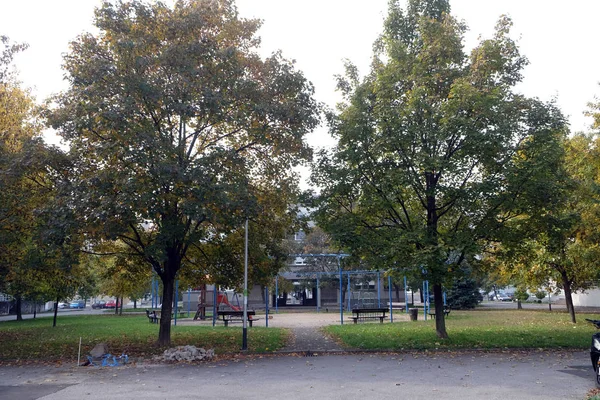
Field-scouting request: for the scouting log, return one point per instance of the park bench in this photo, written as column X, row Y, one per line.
column 152, row 317
column 446, row 312
column 229, row 316
column 363, row 314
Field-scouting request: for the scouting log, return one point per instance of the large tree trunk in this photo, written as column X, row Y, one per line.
column 167, row 276
column 164, row 334
column 568, row 295
column 440, row 320
column 432, row 239
column 18, row 306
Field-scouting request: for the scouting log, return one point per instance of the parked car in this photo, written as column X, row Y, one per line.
column 62, row 305
column 99, row 304
column 110, row 304
column 77, row 304
column 503, row 297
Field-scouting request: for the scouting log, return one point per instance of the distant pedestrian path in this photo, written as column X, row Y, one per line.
column 306, row 329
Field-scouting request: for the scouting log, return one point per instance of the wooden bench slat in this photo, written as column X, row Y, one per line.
column 234, row 316
column 369, row 313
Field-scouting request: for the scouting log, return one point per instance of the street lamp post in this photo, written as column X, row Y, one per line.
column 245, row 318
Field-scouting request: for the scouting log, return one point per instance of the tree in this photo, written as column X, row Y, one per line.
column 554, row 244
column 428, row 146
column 122, row 275
column 177, row 126
column 558, row 241
column 464, row 294
column 21, row 182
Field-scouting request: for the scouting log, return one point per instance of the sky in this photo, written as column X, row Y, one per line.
column 557, row 37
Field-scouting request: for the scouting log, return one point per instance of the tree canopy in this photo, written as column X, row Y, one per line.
column 177, row 127
column 435, row 146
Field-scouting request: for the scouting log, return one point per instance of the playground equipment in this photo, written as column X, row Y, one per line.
column 363, row 298
column 223, row 300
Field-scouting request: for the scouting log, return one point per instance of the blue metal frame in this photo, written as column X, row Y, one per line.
column 405, row 295
column 267, row 306
column 348, row 294
column 214, row 316
column 189, row 300
column 390, row 297
column 318, row 293
column 276, row 294
column 379, row 290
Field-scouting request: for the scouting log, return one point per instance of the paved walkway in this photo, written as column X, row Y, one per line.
column 506, row 375
column 307, row 334
column 501, row 375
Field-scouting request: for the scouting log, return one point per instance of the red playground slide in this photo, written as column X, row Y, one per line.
column 222, row 299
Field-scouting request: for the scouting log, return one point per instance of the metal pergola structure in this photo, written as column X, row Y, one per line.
column 340, row 272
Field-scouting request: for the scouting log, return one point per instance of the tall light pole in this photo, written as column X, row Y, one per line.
column 245, row 317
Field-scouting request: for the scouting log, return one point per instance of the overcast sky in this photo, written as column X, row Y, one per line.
column 557, row 36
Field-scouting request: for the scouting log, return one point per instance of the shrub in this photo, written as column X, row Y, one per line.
column 540, row 294
column 521, row 294
column 464, row 294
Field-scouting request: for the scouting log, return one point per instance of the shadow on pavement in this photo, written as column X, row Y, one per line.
column 581, row 371
column 29, row 392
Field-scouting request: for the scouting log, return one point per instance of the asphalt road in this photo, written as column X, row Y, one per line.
column 465, row 376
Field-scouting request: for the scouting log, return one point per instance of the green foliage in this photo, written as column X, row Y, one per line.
column 435, row 148
column 553, row 243
column 463, row 294
column 540, row 294
column 179, row 132
column 33, row 265
column 521, row 294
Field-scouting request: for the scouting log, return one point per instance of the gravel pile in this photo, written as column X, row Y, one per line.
column 186, row 353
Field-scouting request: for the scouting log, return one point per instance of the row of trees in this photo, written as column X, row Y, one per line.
column 178, row 132
column 41, row 259
column 443, row 170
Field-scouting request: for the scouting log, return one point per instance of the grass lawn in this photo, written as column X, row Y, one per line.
column 36, row 339
column 498, row 329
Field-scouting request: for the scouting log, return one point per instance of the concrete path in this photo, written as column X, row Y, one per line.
column 325, row 374
column 415, row 376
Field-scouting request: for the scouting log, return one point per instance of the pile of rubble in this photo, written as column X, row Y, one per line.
column 186, row 353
